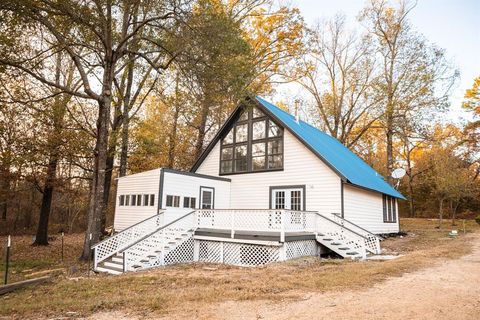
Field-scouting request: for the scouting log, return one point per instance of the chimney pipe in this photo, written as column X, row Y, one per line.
column 297, row 106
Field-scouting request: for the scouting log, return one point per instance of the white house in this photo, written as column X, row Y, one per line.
column 268, row 187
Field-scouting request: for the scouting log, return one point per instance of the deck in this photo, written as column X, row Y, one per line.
column 254, row 235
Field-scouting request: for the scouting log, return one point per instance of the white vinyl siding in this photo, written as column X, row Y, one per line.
column 183, row 185
column 301, row 167
column 141, row 183
column 365, row 208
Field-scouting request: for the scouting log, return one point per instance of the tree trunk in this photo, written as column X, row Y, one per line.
column 440, row 214
column 42, row 229
column 389, row 136
column 126, row 118
column 454, row 213
column 173, row 138
column 202, row 128
column 3, row 206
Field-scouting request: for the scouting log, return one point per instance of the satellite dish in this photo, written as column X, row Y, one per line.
column 398, row 173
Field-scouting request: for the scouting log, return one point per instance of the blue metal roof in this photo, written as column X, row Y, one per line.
column 347, row 164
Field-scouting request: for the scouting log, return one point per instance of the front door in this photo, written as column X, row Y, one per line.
column 288, row 198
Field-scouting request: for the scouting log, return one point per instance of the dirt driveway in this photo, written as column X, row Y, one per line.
column 450, row 290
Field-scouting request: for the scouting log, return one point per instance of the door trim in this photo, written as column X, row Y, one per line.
column 300, row 186
column 200, row 199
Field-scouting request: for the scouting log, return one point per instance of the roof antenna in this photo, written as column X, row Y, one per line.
column 297, row 116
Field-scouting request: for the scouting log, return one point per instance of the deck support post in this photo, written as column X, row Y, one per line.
column 282, row 255
column 282, row 231
column 196, row 250
column 232, row 224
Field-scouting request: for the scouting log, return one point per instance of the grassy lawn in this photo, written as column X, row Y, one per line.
column 187, row 287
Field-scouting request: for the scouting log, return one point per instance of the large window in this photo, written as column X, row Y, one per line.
column 254, row 143
column 389, row 209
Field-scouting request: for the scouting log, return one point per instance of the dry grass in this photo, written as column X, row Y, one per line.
column 184, row 287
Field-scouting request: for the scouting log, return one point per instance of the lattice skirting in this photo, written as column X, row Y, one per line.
column 301, row 248
column 243, row 254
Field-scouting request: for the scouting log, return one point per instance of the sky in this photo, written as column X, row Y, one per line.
column 451, row 24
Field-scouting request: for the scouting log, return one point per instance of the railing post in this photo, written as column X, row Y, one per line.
column 196, row 250
column 282, row 231
column 232, row 224
column 124, row 262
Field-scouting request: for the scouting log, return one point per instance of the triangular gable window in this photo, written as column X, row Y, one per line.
column 253, row 144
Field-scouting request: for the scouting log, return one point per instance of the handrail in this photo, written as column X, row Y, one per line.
column 126, row 229
column 162, row 227
column 356, row 225
column 338, row 224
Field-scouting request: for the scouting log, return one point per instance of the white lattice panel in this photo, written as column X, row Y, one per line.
column 301, row 248
column 243, row 254
column 210, row 251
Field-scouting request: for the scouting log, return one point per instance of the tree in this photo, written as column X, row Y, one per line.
column 339, row 73
column 97, row 41
column 415, row 74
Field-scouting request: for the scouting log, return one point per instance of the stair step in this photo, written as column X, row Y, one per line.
column 117, row 259
column 327, row 239
column 108, row 270
column 335, row 243
column 136, row 266
column 151, row 256
column 344, row 248
column 352, row 253
column 321, row 235
column 144, row 260
column 110, row 264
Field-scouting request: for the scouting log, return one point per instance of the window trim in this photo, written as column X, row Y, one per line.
column 175, row 201
column 200, row 197
column 250, row 121
column 288, row 187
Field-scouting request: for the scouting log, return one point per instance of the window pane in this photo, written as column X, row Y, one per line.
column 258, row 149
column 274, row 130
column 258, row 163
column 241, row 133
column 152, row 200
column 279, row 199
column 275, row 147
column 186, row 202
column 122, row 200
column 228, row 138
column 127, row 200
column 274, row 162
column 240, row 158
column 257, row 113
column 227, row 153
column 296, row 200
column 259, row 128
column 139, row 199
column 206, row 199
column 226, row 166
column 134, row 200
column 176, row 201
column 193, row 202
column 145, row 199
column 243, row 116
column 169, row 201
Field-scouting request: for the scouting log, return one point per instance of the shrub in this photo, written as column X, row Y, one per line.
column 477, row 219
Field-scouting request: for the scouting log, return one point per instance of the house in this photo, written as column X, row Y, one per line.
column 269, row 187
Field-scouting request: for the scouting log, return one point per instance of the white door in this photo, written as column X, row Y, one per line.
column 207, row 198
column 290, row 199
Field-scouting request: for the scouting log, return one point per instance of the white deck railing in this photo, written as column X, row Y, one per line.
column 124, row 239
column 257, row 220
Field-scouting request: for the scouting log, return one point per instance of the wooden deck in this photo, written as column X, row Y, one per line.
column 254, row 235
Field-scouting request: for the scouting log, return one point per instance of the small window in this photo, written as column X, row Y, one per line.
column 189, row 202
column 389, row 209
column 258, row 156
column 122, row 200
column 134, row 199
column 145, row 200
column 152, row 200
column 243, row 116
column 173, row 201
column 139, row 199
column 241, row 158
column 127, row 200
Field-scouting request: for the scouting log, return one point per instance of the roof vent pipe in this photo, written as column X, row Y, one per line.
column 297, row 105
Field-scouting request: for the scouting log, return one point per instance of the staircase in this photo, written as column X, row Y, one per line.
column 346, row 238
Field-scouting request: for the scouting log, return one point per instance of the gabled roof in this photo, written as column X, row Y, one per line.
column 343, row 161
column 339, row 158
